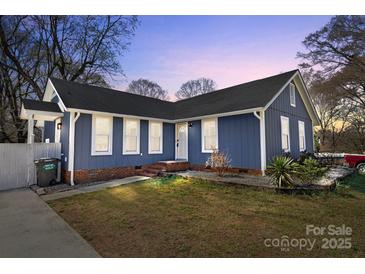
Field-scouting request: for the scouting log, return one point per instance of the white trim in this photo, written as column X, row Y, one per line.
column 121, row 115
column 223, row 114
column 202, row 135
column 187, row 140
column 138, row 137
column 305, row 141
column 24, row 113
column 261, row 118
column 149, row 139
column 309, row 99
column 58, row 120
column 280, row 91
column 292, row 92
column 63, row 107
column 71, row 145
column 281, row 132
column 110, row 148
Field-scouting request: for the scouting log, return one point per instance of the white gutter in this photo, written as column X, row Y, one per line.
column 261, row 118
column 71, row 145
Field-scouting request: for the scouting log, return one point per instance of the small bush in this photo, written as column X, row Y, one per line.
column 281, row 171
column 309, row 171
column 305, row 155
column 219, row 161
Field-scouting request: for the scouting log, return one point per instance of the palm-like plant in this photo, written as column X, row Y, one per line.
column 281, row 171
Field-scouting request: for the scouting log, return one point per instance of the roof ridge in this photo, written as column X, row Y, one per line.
column 109, row 89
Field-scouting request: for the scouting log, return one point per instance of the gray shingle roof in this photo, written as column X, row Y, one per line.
column 41, row 106
column 249, row 95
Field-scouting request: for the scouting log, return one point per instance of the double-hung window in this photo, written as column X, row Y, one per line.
column 155, row 133
column 292, row 94
column 209, row 135
column 301, row 128
column 102, row 135
column 285, row 136
column 130, row 136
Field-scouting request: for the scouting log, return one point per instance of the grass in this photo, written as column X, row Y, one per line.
column 178, row 217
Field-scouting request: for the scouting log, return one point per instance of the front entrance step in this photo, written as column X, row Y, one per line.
column 159, row 168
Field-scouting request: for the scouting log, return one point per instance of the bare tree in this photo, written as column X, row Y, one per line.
column 337, row 52
column 74, row 48
column 195, row 87
column 147, row 88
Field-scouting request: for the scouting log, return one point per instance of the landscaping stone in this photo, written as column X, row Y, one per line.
column 236, row 179
column 334, row 174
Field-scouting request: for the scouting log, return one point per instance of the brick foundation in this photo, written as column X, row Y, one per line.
column 103, row 174
column 177, row 166
column 249, row 171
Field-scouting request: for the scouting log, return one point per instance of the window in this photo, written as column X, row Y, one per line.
column 155, row 133
column 102, row 135
column 292, row 95
column 302, row 145
column 131, row 136
column 285, row 138
column 209, row 135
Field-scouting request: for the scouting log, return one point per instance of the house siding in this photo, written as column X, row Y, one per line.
column 49, row 131
column 281, row 107
column 65, row 120
column 238, row 136
column 84, row 160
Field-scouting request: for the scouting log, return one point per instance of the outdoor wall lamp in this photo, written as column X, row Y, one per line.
column 59, row 126
column 190, row 124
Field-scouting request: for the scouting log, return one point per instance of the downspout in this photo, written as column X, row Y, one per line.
column 71, row 156
column 261, row 118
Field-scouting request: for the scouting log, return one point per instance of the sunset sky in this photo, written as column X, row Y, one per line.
column 229, row 49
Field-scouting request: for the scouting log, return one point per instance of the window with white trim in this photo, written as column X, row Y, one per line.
column 102, row 135
column 301, row 128
column 130, row 136
column 209, row 135
column 292, row 94
column 285, row 136
column 155, row 134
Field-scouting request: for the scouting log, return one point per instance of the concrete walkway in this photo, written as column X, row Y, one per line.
column 30, row 228
column 92, row 188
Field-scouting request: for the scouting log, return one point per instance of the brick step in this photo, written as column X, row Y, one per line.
column 161, row 167
column 144, row 173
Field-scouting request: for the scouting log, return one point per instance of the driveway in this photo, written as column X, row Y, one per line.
column 30, row 228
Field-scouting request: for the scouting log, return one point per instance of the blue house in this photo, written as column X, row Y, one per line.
column 107, row 133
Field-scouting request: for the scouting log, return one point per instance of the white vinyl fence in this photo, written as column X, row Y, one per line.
column 17, row 167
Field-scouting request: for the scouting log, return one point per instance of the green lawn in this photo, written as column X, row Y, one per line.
column 190, row 218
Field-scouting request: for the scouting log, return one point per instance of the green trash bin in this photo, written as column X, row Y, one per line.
column 47, row 170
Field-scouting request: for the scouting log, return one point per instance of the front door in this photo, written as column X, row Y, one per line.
column 182, row 141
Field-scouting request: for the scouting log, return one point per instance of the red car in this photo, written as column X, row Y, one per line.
column 356, row 160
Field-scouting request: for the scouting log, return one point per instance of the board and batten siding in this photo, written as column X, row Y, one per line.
column 238, row 135
column 84, row 160
column 49, row 131
column 281, row 107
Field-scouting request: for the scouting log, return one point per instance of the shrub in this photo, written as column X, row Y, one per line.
column 281, row 171
column 219, row 161
column 310, row 170
column 305, row 155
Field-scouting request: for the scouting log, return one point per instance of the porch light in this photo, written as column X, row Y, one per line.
column 59, row 126
column 190, row 124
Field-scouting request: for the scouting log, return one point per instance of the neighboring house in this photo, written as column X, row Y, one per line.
column 105, row 131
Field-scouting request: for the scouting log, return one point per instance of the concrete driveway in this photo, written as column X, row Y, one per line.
column 30, row 228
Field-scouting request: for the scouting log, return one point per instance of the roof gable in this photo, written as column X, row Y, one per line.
column 252, row 95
